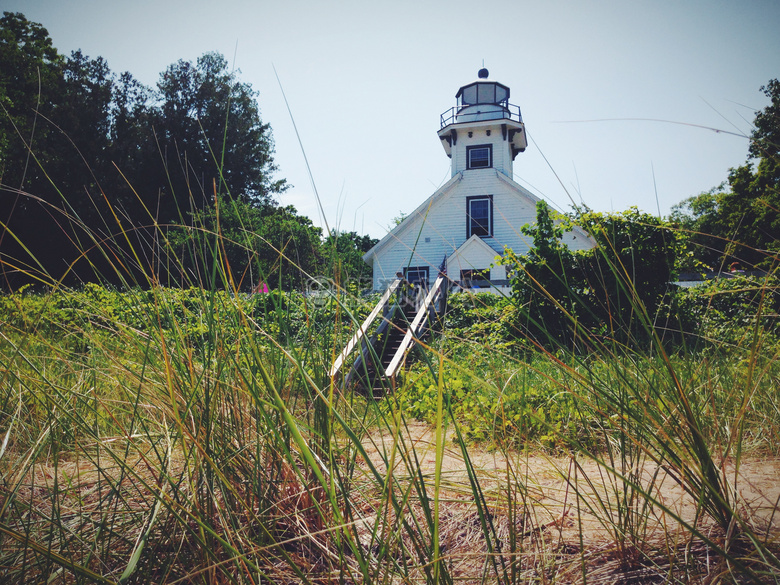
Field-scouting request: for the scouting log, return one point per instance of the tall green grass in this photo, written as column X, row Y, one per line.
column 153, row 435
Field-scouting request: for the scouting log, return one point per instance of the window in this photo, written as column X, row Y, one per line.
column 483, row 93
column 417, row 275
column 486, row 93
column 479, row 218
column 479, row 157
column 469, row 95
column 475, row 278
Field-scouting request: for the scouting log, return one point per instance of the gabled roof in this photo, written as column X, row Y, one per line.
column 413, row 218
column 471, row 249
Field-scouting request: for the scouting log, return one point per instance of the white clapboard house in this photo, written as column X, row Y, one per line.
column 451, row 241
column 467, row 222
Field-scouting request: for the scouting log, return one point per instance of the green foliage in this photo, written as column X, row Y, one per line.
column 479, row 319
column 545, row 281
column 397, row 220
column 628, row 274
column 617, row 287
column 202, row 431
column 32, row 77
column 728, row 311
column 698, row 218
column 210, row 127
column 187, row 315
column 641, row 247
column 134, row 186
column 269, row 244
column 344, row 259
column 509, row 405
column 96, row 162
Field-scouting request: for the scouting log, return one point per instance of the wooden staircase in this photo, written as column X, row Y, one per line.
column 368, row 371
column 383, row 354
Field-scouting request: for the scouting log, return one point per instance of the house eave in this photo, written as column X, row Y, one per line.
column 511, row 129
column 420, row 212
column 520, row 189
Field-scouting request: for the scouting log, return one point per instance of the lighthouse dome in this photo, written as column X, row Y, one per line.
column 483, row 92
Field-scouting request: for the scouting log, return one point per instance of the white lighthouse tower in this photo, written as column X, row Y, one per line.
column 467, row 223
column 483, row 130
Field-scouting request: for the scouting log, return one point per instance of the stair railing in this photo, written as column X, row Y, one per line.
column 415, row 327
column 378, row 309
column 371, row 354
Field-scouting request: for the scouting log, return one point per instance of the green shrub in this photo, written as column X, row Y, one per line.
column 728, row 311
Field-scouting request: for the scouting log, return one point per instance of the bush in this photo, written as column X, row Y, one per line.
column 508, row 404
column 728, row 311
column 567, row 299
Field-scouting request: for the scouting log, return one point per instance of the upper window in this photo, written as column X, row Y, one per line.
column 483, row 93
column 479, row 157
column 479, row 220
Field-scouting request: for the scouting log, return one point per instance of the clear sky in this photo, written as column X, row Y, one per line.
column 619, row 97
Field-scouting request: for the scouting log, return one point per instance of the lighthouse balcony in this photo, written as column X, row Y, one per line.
column 479, row 113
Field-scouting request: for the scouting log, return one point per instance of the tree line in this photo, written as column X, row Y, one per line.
column 103, row 178
column 739, row 220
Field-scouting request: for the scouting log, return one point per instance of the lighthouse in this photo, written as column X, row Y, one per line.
column 463, row 227
column 453, row 241
column 483, row 130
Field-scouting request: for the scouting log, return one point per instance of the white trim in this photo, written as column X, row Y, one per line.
column 470, row 217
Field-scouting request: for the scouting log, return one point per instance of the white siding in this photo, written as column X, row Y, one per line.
column 502, row 149
column 438, row 228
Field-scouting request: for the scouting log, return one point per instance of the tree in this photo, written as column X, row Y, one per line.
column 208, row 127
column 545, row 281
column 765, row 138
column 95, row 166
column 84, row 118
column 63, row 205
column 698, row 218
column 740, row 222
column 134, row 154
column 635, row 253
column 617, row 287
column 345, row 252
column 629, row 273
column 32, row 78
column 31, row 83
column 270, row 244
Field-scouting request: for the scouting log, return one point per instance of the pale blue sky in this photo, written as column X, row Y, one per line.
column 367, row 81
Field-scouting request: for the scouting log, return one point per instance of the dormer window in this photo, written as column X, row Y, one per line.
column 475, row 278
column 479, row 157
column 479, row 218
